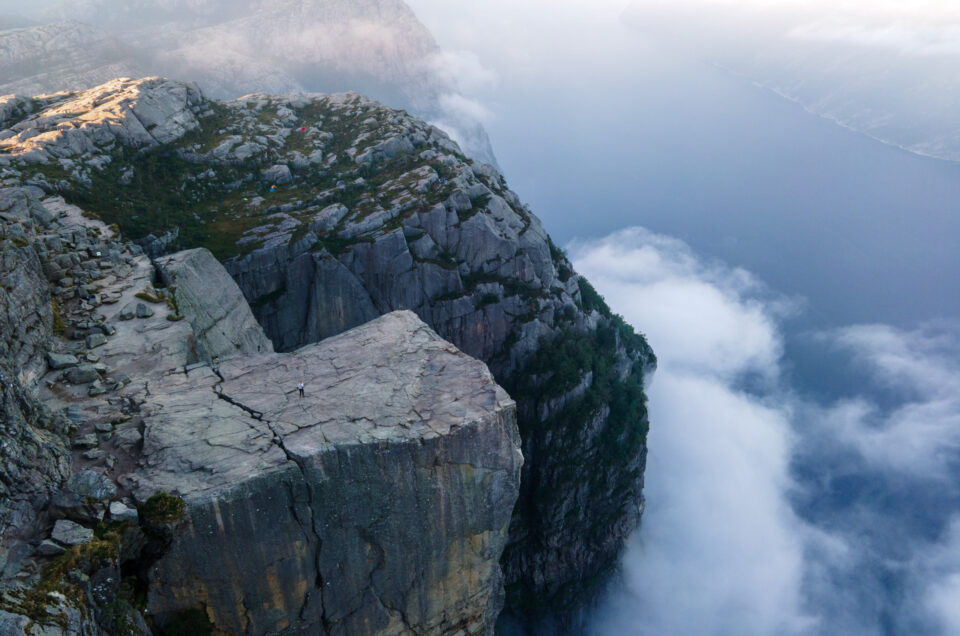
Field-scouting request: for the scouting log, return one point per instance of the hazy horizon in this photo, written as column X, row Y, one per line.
column 795, row 275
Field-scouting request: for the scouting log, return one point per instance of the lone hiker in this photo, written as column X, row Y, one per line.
column 300, row 387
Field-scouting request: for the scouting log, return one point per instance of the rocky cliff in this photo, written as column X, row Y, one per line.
column 329, row 211
column 161, row 474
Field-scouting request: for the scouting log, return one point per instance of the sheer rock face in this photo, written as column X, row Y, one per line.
column 377, row 211
column 377, row 503
column 220, row 317
column 34, row 459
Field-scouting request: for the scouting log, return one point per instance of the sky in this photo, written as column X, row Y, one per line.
column 795, row 277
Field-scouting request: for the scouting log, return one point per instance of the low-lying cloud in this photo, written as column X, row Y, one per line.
column 768, row 513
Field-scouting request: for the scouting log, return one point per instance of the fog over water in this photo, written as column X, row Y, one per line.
column 798, row 282
column 796, row 278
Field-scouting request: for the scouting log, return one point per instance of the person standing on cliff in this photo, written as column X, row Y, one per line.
column 300, row 387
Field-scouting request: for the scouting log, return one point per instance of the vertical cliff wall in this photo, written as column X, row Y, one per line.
column 329, row 211
column 377, row 503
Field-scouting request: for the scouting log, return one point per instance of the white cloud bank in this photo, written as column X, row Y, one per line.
column 722, row 549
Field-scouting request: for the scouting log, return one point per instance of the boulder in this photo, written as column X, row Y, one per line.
column 121, row 512
column 60, row 361
column 69, row 533
column 82, row 374
column 92, row 485
column 213, row 304
column 50, row 549
column 143, row 311
column 95, row 340
column 279, row 173
column 86, row 441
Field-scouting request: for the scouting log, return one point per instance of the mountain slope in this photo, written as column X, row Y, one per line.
column 332, row 210
column 377, row 47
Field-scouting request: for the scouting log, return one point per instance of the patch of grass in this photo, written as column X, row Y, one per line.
column 147, row 296
column 590, row 300
column 100, row 552
column 59, row 326
column 162, row 508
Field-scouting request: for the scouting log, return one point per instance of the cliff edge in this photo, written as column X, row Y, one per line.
column 331, row 210
column 162, row 472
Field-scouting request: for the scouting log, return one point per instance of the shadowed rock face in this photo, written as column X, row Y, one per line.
column 377, row 503
column 331, row 210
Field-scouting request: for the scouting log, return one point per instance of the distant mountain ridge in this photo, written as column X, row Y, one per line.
column 377, row 47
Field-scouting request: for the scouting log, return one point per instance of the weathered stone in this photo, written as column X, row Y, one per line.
column 399, row 434
column 59, row 361
column 279, row 173
column 128, row 312
column 143, row 311
column 69, row 533
column 213, row 304
column 121, row 512
column 127, row 438
column 50, row 549
column 82, row 374
column 86, row 441
column 95, row 340
column 92, row 485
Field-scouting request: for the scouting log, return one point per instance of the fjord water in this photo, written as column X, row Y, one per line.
column 863, row 230
column 839, row 230
column 856, row 230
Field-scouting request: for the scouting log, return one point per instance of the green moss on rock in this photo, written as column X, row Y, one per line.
column 163, row 508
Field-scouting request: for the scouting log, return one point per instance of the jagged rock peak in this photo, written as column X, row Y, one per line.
column 137, row 113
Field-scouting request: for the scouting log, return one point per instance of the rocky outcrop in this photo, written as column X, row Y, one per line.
column 329, row 211
column 379, row 502
column 132, row 114
column 204, row 293
column 34, row 459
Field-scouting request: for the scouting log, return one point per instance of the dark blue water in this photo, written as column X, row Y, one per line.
column 862, row 231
